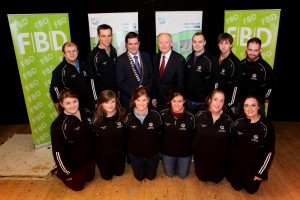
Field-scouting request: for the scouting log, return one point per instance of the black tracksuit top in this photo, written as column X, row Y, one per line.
column 212, row 140
column 257, row 79
column 254, row 145
column 110, row 136
column 144, row 139
column 230, row 79
column 102, row 69
column 72, row 141
column 177, row 134
column 65, row 75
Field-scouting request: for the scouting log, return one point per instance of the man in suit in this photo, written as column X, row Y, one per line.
column 169, row 71
column 133, row 69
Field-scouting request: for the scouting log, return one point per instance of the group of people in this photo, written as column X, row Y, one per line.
column 166, row 108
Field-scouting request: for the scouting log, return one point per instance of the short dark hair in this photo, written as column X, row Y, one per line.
column 68, row 44
column 138, row 93
column 254, row 40
column 224, row 37
column 66, row 93
column 103, row 27
column 174, row 93
column 199, row 33
column 131, row 34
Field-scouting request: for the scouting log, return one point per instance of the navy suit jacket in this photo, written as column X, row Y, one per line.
column 127, row 78
column 174, row 76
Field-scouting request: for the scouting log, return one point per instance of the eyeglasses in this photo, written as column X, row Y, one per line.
column 73, row 51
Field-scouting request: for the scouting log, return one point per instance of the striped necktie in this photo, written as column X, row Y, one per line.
column 138, row 66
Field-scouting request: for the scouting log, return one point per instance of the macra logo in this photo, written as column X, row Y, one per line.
column 161, row 20
column 95, row 21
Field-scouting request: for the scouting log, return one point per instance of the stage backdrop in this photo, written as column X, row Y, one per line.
column 181, row 25
column 245, row 24
column 38, row 39
column 121, row 23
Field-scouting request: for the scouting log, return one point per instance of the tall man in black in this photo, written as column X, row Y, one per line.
column 257, row 74
column 202, row 73
column 102, row 61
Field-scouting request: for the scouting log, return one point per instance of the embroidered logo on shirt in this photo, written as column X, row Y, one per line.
column 168, row 124
column 254, row 77
column 199, row 69
column 255, row 138
column 119, row 125
column 150, row 126
column 103, row 127
column 182, row 127
column 203, row 125
column 222, row 129
column 223, row 72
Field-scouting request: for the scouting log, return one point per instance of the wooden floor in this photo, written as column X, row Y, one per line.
column 283, row 183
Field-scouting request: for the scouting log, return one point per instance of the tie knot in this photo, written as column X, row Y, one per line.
column 135, row 57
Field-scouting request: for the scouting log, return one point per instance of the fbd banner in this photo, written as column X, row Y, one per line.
column 182, row 25
column 245, row 24
column 38, row 39
column 121, row 23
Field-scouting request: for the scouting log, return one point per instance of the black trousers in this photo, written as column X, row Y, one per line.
column 80, row 177
column 110, row 165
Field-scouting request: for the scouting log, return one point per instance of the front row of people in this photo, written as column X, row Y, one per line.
column 241, row 151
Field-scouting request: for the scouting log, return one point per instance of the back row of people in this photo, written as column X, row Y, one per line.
column 197, row 75
column 241, row 151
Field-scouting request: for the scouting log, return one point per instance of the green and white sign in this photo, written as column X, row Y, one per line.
column 245, row 24
column 182, row 25
column 38, row 39
column 121, row 23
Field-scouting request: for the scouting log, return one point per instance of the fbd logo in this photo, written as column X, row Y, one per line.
column 161, row 20
column 95, row 21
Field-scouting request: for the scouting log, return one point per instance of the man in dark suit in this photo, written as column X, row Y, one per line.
column 169, row 71
column 133, row 69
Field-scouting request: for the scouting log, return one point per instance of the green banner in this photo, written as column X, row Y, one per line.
column 38, row 39
column 245, row 24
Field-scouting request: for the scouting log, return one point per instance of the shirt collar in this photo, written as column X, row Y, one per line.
column 131, row 55
column 167, row 55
